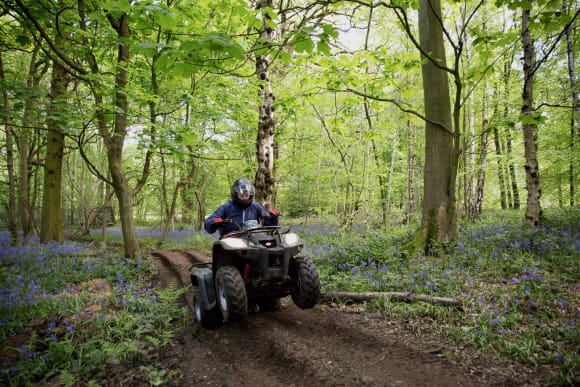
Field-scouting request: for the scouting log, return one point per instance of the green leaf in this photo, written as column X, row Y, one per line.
column 117, row 7
column 270, row 12
column 330, row 31
column 323, row 48
column 191, row 45
column 23, row 40
column 236, row 51
column 302, row 42
column 184, row 69
column 147, row 48
column 533, row 118
column 304, row 45
column 271, row 23
column 284, row 57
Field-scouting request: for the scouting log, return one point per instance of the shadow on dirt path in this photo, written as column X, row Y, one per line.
column 324, row 346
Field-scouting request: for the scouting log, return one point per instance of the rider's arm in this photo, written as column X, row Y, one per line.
column 209, row 224
column 267, row 217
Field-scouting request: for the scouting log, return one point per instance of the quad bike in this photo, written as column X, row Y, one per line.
column 254, row 266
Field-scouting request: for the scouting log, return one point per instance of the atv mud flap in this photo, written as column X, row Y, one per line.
column 203, row 277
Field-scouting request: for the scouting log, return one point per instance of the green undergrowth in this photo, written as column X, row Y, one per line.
column 519, row 288
column 69, row 313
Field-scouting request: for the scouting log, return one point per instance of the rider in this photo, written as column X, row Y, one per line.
column 240, row 208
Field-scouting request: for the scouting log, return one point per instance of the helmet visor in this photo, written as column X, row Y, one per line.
column 244, row 191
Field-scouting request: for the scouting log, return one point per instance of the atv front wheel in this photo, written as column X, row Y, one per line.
column 304, row 282
column 209, row 319
column 231, row 294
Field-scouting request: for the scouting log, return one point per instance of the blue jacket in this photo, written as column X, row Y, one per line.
column 230, row 210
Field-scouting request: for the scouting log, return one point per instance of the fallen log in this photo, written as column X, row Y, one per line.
column 395, row 296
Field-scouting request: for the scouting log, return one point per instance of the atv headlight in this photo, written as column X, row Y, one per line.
column 290, row 239
column 234, row 243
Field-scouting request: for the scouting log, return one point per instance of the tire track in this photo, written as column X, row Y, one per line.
column 293, row 347
column 174, row 270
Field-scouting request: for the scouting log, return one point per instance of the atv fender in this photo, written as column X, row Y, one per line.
column 203, row 277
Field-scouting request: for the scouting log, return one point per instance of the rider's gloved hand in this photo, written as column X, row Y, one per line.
column 274, row 212
column 217, row 220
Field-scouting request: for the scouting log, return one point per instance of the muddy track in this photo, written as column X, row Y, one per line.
column 324, row 346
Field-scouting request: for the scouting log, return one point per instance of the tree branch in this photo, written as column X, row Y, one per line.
column 400, row 107
column 555, row 43
column 28, row 15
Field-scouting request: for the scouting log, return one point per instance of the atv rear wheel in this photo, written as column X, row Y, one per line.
column 231, row 294
column 209, row 319
column 304, row 282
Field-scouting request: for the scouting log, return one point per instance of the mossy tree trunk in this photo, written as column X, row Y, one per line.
column 575, row 117
column 51, row 215
column 12, row 212
column 36, row 71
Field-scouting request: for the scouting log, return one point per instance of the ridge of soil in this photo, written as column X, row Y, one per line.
column 329, row 345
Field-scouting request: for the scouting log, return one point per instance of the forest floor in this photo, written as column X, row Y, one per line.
column 329, row 345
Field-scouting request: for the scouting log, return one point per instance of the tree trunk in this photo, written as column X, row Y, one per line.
column 12, row 209
column 170, row 214
column 389, row 185
column 380, row 176
column 500, row 175
column 438, row 221
column 411, row 206
column 51, row 216
column 575, row 104
column 383, row 186
column 25, row 208
column 470, row 167
column 571, row 172
column 164, row 202
column 533, row 209
column 482, row 166
column 106, row 211
column 511, row 183
column 265, row 179
column 513, row 192
column 115, row 143
column 476, row 206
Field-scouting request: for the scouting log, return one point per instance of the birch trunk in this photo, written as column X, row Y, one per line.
column 500, row 169
column 533, row 209
column 482, row 165
column 264, row 180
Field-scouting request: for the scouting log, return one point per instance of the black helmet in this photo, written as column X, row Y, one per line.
column 242, row 192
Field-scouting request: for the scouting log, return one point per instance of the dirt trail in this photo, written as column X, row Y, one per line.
column 324, row 346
